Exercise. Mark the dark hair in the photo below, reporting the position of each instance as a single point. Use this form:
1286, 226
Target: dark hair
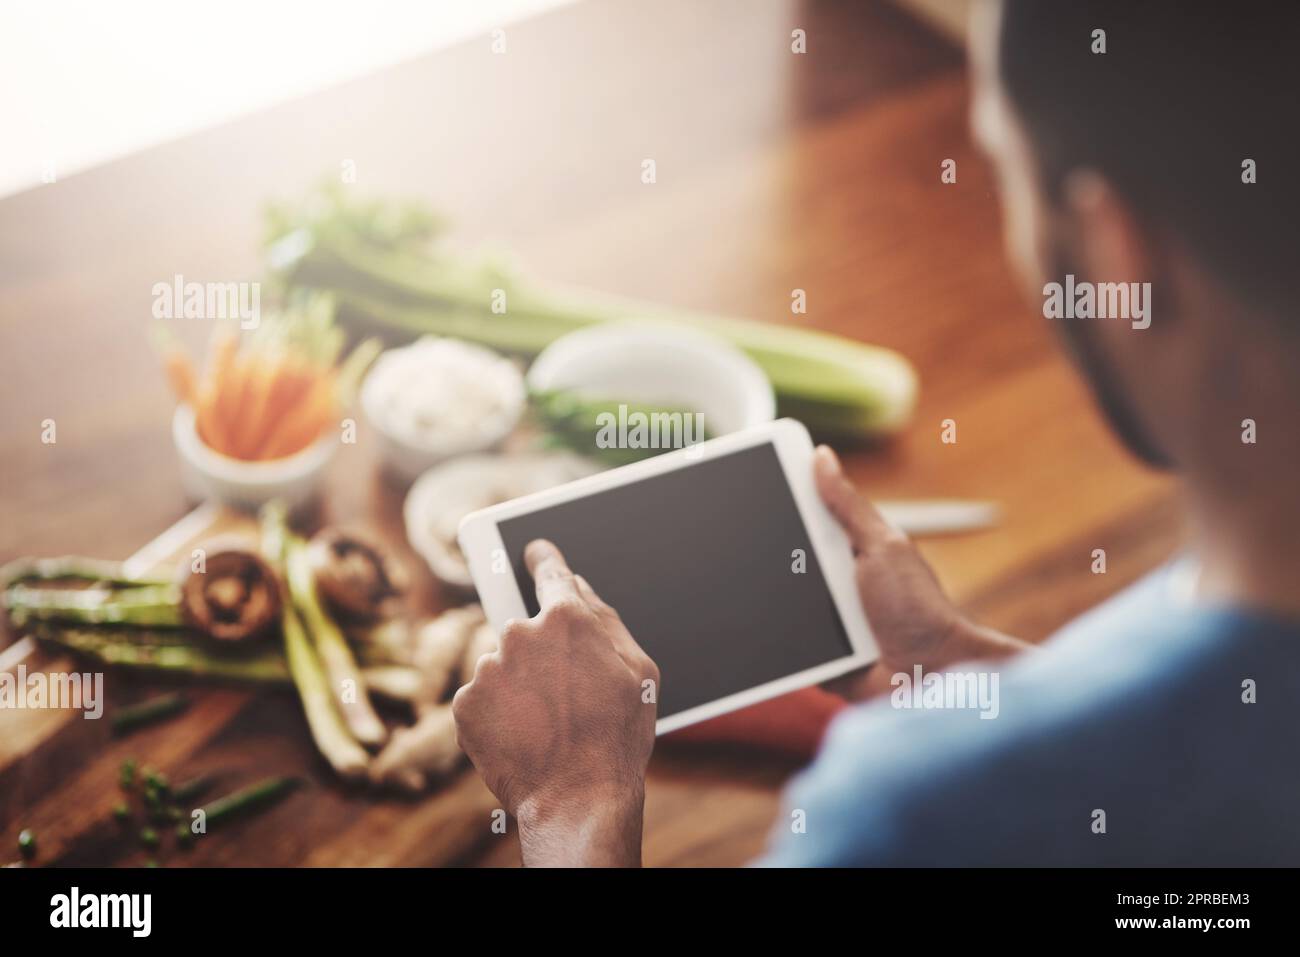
1184, 93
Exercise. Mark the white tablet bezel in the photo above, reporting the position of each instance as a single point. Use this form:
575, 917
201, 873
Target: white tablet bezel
480, 541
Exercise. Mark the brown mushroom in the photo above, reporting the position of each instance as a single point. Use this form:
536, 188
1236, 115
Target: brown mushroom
356, 575
235, 598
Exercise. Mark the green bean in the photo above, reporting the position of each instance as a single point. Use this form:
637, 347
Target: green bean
255, 796
188, 790
148, 712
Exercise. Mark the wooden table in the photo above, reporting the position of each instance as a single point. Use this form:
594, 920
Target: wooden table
775, 171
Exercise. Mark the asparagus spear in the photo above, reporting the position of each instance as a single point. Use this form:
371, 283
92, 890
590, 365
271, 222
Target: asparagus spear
235, 599
72, 567
175, 652
155, 606
169, 652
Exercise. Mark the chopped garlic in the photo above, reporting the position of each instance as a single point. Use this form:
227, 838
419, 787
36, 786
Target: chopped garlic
444, 393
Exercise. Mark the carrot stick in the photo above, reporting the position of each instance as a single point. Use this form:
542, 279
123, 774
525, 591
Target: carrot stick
299, 377
283, 385
182, 374
304, 423
257, 383
221, 369
234, 401
221, 355
254, 384
292, 393
208, 421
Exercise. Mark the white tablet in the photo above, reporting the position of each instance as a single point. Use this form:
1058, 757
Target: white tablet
721, 558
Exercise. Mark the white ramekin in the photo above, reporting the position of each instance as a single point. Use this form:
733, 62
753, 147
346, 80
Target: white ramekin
406, 459
211, 476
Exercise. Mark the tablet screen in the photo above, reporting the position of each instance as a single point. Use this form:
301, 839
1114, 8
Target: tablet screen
710, 567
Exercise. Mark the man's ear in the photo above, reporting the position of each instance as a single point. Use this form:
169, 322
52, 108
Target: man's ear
1109, 243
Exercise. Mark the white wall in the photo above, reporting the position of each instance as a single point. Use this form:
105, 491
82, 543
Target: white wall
85, 81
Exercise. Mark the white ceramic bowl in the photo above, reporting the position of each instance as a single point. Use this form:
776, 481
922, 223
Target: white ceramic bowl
446, 493
407, 456
652, 363
212, 476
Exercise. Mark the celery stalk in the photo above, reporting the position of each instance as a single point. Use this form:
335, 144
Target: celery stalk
836, 386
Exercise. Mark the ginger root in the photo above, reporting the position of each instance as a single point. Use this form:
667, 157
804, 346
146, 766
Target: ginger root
416, 756
444, 653
398, 683
440, 646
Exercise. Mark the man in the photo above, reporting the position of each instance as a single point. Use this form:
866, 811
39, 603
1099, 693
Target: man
1160, 728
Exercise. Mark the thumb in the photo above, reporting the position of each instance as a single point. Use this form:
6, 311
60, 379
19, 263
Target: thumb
857, 516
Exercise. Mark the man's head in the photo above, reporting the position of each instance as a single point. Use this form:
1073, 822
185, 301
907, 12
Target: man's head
1121, 132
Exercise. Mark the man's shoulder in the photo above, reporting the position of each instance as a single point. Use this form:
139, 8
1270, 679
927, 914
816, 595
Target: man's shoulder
1141, 724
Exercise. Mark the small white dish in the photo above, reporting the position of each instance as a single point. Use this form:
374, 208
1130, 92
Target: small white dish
398, 413
211, 476
656, 363
446, 493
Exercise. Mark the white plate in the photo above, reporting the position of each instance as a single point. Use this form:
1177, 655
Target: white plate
447, 493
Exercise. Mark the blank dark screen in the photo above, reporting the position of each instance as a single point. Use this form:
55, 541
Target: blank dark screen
700, 562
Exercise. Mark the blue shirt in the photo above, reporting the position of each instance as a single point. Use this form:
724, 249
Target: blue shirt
1138, 710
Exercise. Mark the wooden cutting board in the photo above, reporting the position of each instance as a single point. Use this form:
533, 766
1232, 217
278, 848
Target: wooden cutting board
59, 772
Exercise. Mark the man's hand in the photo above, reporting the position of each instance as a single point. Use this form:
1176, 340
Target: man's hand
560, 721
912, 619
